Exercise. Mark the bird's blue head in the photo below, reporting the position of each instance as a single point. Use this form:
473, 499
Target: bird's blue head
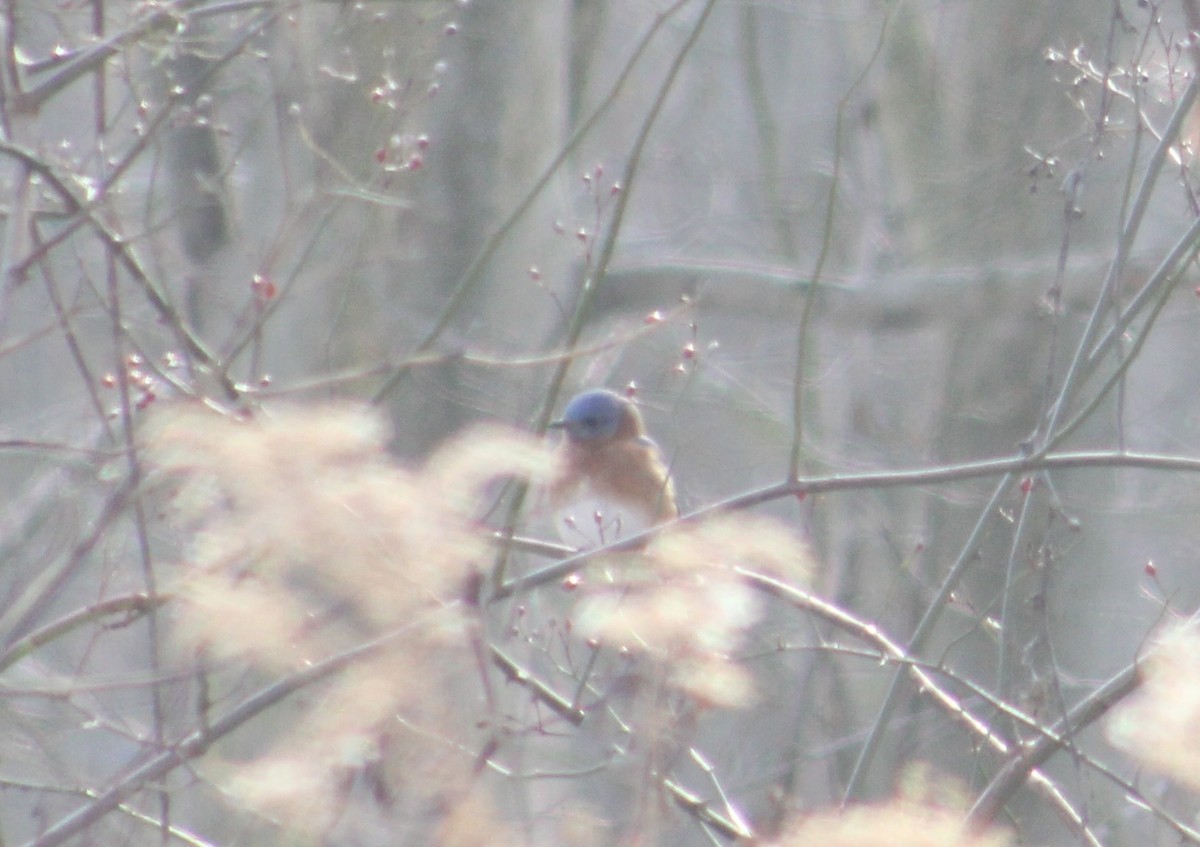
597, 415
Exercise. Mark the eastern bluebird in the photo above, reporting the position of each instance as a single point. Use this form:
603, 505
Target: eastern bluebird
613, 482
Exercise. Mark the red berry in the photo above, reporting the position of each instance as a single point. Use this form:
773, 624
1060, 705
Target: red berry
264, 289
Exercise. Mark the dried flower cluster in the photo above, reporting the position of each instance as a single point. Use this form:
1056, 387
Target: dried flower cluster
687, 607
304, 539
1160, 724
901, 823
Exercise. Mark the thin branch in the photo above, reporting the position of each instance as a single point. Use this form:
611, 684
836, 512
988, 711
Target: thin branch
197, 743
129, 606
471, 276
930, 688
851, 482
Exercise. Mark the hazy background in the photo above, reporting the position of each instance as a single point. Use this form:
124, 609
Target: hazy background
411, 204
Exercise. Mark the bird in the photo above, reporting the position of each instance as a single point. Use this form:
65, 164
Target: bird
612, 483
